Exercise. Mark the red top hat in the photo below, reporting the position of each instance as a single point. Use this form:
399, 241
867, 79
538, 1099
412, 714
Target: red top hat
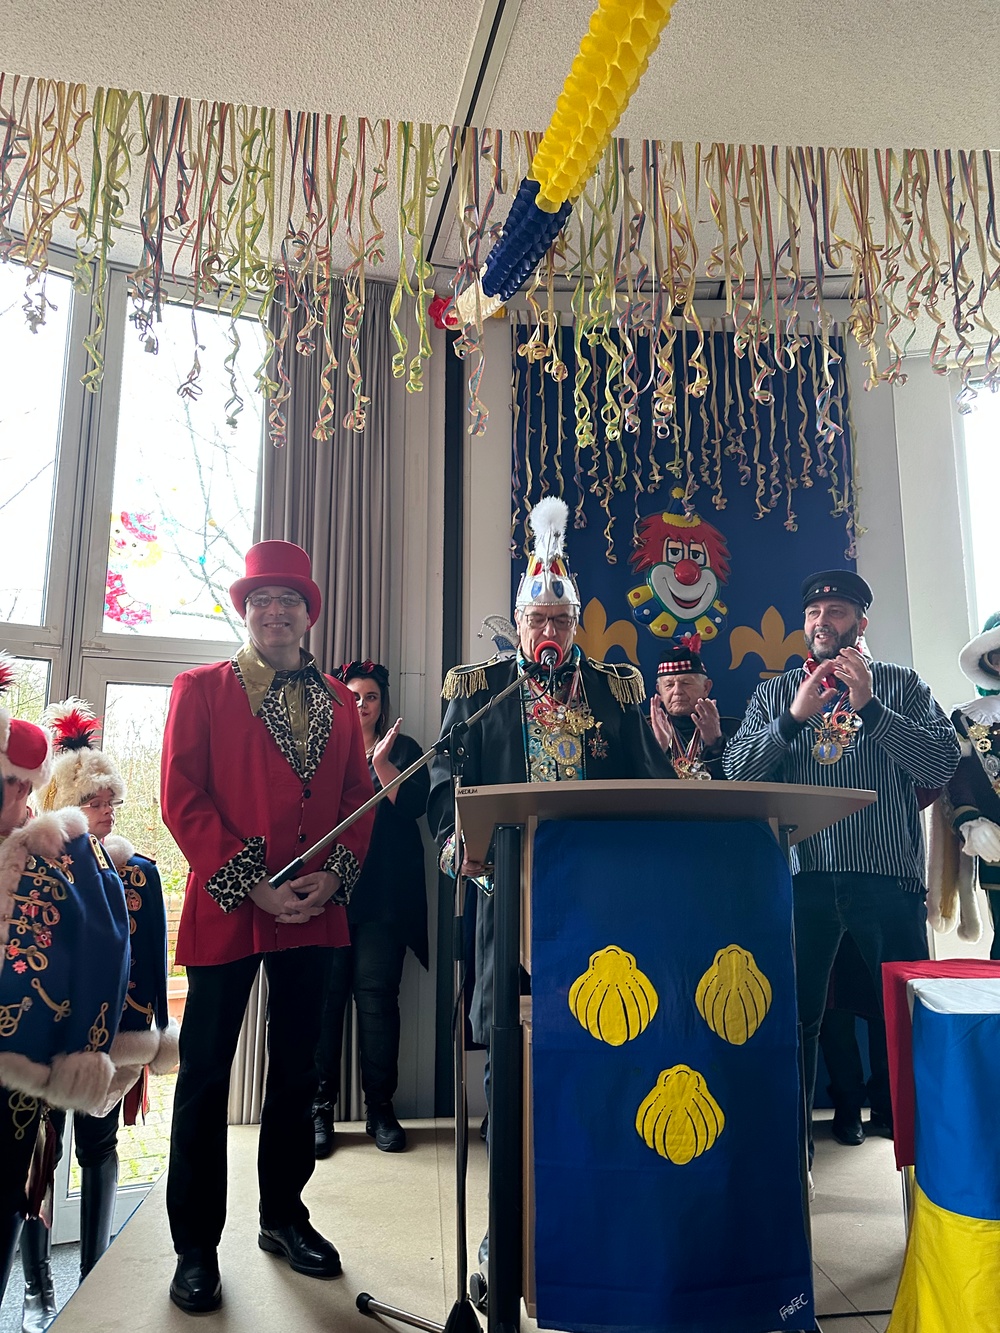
278, 565
25, 750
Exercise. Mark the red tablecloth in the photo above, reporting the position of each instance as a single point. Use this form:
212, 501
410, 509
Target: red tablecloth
899, 1035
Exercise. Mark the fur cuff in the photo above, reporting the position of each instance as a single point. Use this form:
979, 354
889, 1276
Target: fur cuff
137, 1047
126, 1076
80, 1081
168, 1056
119, 849
20, 1074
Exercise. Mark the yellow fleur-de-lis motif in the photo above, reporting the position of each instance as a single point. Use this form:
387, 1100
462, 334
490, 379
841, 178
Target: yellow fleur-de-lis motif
734, 995
679, 1119
595, 636
772, 645
613, 1000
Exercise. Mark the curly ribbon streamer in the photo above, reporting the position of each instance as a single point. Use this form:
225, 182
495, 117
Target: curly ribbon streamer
253, 209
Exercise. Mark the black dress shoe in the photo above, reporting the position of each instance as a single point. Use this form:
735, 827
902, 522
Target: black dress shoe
880, 1125
847, 1128
385, 1129
305, 1249
323, 1131
197, 1287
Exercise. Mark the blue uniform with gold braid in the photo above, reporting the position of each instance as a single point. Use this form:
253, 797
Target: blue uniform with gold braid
146, 1035
63, 975
146, 999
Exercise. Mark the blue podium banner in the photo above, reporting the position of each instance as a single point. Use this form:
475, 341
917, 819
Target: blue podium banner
665, 1081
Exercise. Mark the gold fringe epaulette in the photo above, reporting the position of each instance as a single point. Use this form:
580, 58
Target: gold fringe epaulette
624, 680
462, 682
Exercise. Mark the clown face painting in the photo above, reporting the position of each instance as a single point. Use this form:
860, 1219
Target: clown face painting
685, 561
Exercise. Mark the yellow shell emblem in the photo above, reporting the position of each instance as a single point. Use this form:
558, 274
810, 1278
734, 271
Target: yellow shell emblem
680, 1119
733, 996
613, 1000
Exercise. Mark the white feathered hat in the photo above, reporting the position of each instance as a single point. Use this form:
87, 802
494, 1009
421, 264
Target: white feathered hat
80, 769
547, 580
971, 658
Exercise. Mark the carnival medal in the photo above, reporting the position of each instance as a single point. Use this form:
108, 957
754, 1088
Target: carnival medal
687, 763
835, 733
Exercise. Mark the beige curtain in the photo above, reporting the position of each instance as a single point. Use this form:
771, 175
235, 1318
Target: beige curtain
332, 498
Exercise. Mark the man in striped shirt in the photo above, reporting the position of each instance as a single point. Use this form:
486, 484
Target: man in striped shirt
843, 720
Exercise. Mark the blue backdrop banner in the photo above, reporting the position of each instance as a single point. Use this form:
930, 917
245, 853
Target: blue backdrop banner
705, 523
665, 1080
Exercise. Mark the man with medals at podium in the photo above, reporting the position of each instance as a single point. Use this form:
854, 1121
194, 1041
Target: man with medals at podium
573, 719
685, 721
844, 720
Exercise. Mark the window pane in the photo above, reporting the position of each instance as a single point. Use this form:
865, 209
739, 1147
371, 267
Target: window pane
29, 694
982, 454
185, 482
134, 718
34, 366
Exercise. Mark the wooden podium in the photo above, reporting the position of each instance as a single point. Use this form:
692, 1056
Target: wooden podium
505, 818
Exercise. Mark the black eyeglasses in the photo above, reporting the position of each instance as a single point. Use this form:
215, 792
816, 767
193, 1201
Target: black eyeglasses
262, 600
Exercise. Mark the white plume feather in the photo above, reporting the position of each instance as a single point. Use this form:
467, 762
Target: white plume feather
548, 523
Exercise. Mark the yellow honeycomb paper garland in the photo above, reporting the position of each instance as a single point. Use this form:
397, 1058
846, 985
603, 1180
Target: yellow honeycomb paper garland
612, 58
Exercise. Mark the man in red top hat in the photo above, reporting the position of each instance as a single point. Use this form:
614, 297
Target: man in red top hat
262, 755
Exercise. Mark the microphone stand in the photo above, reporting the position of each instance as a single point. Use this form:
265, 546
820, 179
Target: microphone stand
462, 1317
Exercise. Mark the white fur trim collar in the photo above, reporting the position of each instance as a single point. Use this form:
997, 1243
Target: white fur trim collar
985, 709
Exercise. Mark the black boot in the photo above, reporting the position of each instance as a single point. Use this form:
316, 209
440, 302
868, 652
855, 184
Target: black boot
323, 1130
10, 1229
39, 1294
99, 1187
385, 1129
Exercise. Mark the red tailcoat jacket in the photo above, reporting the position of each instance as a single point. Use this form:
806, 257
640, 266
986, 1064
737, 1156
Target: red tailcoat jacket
224, 781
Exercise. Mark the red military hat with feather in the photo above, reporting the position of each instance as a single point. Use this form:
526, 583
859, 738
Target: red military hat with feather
25, 749
80, 770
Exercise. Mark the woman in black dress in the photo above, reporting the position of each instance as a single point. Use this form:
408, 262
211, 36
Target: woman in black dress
387, 913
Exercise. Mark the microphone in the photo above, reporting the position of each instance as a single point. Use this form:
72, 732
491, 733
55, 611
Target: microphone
548, 654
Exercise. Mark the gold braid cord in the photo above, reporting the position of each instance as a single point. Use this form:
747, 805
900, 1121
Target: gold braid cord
462, 682
250, 207
624, 681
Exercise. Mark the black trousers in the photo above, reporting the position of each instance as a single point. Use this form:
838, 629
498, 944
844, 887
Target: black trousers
838, 1039
993, 898
216, 1002
888, 924
95, 1139
370, 970
20, 1121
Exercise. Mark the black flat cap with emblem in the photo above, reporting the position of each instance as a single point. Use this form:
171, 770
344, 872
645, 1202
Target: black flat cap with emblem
842, 583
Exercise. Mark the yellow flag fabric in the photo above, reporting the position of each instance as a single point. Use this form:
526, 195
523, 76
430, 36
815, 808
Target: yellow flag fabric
952, 1264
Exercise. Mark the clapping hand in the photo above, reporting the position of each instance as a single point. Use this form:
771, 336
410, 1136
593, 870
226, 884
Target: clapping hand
705, 715
852, 668
384, 747
811, 698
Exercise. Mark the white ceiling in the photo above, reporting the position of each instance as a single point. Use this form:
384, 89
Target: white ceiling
906, 73
862, 73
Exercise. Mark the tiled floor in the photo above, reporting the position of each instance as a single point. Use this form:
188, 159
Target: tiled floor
393, 1219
